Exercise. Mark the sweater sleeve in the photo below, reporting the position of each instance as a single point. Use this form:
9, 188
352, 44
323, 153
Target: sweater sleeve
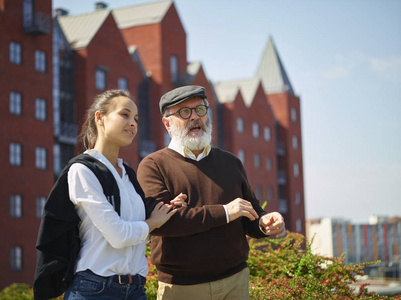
252, 228
187, 220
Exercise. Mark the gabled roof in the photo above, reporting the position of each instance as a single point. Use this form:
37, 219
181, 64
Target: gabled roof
192, 70
80, 29
227, 91
272, 73
144, 14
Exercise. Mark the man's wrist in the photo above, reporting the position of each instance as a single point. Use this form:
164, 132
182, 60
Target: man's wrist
227, 216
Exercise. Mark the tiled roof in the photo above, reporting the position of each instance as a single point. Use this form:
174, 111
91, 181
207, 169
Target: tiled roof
144, 14
272, 73
80, 29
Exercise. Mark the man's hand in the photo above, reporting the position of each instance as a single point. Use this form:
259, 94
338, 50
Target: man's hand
179, 201
273, 223
241, 208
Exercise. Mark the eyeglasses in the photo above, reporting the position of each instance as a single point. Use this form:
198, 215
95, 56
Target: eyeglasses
186, 112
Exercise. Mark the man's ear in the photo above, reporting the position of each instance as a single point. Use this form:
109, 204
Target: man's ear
166, 123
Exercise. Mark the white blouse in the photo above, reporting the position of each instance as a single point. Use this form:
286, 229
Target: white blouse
110, 244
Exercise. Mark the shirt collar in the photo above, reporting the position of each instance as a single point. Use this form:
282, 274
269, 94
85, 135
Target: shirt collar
184, 151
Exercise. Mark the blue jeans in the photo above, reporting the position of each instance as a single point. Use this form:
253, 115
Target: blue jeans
87, 285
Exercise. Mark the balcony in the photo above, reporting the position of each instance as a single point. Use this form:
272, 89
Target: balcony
66, 133
280, 149
281, 177
282, 206
37, 23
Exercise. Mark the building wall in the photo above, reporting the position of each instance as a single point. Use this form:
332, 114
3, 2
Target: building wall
107, 50
283, 104
26, 130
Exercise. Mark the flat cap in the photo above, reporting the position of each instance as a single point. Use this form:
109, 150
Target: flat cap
179, 95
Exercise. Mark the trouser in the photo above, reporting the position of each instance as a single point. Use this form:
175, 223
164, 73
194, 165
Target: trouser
235, 287
87, 286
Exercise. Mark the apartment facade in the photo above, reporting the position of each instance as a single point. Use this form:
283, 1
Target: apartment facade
52, 67
378, 240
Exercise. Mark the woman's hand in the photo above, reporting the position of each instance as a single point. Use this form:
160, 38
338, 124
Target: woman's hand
160, 215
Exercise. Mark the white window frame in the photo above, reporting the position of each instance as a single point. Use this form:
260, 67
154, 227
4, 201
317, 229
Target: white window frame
41, 158
270, 194
15, 154
123, 83
15, 53
256, 160
240, 125
294, 142
296, 169
40, 61
16, 206
297, 198
40, 109
40, 205
298, 225
255, 130
174, 68
294, 115
15, 103
16, 258
267, 133
101, 78
241, 156
269, 164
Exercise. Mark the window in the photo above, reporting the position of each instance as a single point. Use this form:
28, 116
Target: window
167, 139
256, 160
28, 12
240, 125
294, 142
267, 133
270, 194
174, 68
40, 61
293, 115
15, 103
268, 164
15, 53
255, 130
40, 205
40, 109
15, 154
297, 198
298, 225
16, 258
123, 84
241, 156
16, 206
258, 192
40, 158
100, 78
296, 170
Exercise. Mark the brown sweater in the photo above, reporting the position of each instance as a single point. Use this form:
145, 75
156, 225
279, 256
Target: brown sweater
197, 245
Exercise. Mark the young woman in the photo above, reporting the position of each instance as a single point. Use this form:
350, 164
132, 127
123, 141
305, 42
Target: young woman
111, 262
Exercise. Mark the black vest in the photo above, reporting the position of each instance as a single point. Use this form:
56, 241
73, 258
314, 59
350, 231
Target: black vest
58, 241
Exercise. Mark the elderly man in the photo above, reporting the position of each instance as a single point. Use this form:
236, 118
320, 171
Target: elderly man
201, 252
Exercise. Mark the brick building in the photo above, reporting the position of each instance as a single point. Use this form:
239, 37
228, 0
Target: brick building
50, 70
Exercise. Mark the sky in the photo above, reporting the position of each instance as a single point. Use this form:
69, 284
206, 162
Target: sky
343, 59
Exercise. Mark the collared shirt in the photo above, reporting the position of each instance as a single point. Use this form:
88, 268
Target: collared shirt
184, 151
110, 244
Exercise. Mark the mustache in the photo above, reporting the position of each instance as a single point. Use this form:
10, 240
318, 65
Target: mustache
195, 123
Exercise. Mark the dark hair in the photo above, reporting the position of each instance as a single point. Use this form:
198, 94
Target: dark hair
101, 103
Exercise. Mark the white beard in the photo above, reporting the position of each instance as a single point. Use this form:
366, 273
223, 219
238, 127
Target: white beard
191, 141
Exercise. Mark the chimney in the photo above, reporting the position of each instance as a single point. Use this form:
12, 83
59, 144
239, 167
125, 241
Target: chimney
61, 12
100, 5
